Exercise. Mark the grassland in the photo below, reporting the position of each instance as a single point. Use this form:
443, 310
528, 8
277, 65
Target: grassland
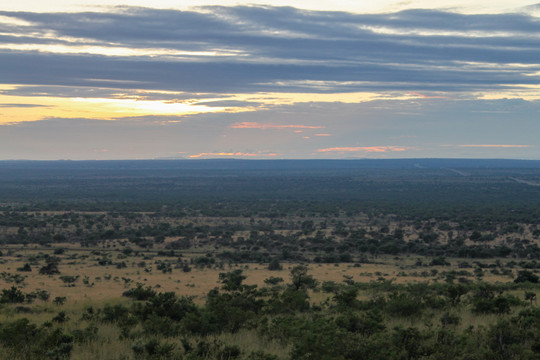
181, 261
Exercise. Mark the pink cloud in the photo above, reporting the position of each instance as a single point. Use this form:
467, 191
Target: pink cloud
368, 149
425, 96
256, 125
323, 134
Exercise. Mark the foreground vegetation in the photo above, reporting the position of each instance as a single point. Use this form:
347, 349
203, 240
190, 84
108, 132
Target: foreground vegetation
297, 318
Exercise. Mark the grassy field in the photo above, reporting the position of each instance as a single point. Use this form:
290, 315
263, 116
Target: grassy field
100, 282
97, 286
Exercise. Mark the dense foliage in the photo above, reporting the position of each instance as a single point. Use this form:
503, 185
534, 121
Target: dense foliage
389, 321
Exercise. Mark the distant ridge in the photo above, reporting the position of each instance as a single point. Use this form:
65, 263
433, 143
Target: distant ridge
248, 164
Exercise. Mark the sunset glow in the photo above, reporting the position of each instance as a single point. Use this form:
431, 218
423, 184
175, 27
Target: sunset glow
300, 79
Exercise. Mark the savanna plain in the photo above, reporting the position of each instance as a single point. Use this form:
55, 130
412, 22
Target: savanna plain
267, 260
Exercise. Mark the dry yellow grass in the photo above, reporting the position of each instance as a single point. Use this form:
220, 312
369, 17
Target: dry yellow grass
109, 282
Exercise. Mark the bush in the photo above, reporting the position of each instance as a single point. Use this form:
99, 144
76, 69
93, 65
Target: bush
69, 279
31, 342
260, 355
25, 268
402, 304
140, 293
43, 295
12, 296
439, 261
61, 317
85, 335
273, 280
153, 349
367, 323
59, 300
168, 305
51, 266
526, 276
155, 325
274, 265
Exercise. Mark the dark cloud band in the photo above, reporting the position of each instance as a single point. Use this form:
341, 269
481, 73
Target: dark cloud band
278, 49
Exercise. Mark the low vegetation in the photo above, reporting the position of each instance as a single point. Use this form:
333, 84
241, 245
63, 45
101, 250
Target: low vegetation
165, 262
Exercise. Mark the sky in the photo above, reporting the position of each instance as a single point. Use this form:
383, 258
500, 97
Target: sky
274, 79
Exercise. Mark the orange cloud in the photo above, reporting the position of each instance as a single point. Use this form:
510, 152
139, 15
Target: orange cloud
256, 125
364, 149
496, 146
425, 96
239, 154
323, 134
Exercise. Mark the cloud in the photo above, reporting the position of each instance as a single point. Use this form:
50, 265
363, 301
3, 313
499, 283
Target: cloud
357, 129
367, 149
103, 92
21, 105
494, 146
230, 103
423, 96
322, 134
254, 49
256, 125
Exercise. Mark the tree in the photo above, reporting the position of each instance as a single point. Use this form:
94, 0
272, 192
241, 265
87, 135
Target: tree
345, 297
232, 281
275, 265
51, 266
300, 278
26, 267
526, 275
529, 295
454, 293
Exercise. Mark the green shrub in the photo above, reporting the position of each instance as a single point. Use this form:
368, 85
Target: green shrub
12, 295
526, 276
31, 342
140, 292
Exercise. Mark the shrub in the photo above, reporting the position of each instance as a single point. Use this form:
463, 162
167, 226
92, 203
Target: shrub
69, 279
140, 293
168, 305
274, 265
26, 268
43, 295
402, 304
61, 317
59, 300
31, 342
526, 275
153, 349
367, 323
115, 313
260, 355
439, 261
155, 325
51, 266
85, 335
273, 280
12, 296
